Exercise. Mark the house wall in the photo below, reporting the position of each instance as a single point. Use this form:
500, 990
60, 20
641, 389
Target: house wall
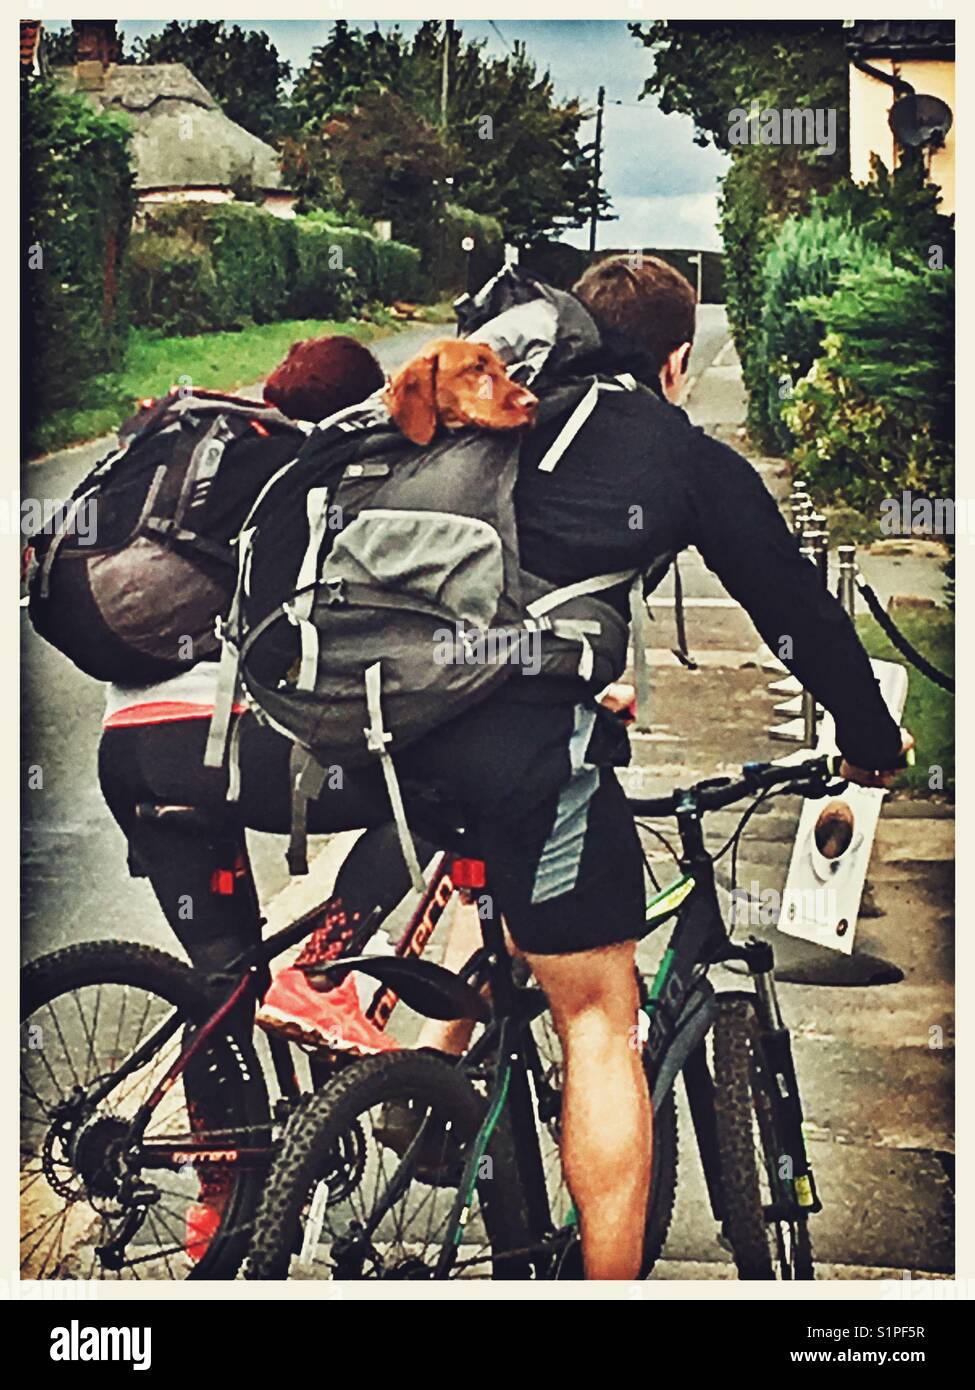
185, 195
280, 204
870, 103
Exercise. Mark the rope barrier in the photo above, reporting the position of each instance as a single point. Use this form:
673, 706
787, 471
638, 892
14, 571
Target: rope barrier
887, 625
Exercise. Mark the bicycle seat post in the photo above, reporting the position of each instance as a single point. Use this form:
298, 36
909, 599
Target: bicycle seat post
470, 877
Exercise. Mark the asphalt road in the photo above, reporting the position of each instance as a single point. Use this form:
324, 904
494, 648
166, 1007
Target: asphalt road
710, 337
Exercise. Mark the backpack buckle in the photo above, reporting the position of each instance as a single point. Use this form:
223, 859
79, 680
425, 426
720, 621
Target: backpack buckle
334, 591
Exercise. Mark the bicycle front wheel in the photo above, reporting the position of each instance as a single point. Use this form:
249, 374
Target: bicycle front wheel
365, 1184
172, 1201
765, 1243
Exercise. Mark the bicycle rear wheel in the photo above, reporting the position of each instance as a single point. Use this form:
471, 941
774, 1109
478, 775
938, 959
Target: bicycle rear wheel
765, 1244
365, 1182
94, 1205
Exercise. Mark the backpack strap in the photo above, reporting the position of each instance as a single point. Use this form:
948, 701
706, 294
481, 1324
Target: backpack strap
575, 629
204, 463
178, 535
578, 417
307, 778
228, 675
228, 691
378, 740
681, 651
306, 586
228, 671
595, 585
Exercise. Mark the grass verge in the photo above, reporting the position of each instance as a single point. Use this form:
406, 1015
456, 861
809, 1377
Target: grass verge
154, 363
930, 711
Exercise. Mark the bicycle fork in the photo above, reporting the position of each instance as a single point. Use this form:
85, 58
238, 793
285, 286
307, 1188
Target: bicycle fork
795, 1174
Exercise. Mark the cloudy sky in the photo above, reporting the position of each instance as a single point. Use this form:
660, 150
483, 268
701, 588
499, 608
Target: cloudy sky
663, 186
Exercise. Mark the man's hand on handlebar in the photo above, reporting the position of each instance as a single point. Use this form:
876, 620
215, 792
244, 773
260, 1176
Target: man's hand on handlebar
864, 777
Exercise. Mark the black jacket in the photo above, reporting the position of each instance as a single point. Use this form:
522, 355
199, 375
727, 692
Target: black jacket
639, 484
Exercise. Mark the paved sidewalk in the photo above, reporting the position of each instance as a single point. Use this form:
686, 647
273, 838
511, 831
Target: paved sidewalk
878, 1093
876, 1064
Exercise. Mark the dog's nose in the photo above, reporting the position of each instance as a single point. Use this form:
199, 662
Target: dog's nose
524, 400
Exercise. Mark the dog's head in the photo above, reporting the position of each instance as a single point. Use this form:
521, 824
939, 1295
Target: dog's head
454, 383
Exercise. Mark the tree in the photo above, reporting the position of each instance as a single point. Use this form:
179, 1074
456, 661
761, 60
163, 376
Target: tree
379, 159
60, 47
710, 71
514, 149
240, 68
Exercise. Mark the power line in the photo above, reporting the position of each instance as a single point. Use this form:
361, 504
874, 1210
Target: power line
500, 35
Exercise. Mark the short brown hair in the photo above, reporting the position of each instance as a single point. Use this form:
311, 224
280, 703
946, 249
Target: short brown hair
322, 375
641, 302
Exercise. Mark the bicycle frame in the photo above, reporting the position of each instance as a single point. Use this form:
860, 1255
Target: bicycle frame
680, 1008
160, 1153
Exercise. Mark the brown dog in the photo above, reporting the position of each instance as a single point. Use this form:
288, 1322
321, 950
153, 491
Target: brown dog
454, 383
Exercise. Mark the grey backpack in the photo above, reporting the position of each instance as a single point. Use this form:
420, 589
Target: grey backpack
380, 594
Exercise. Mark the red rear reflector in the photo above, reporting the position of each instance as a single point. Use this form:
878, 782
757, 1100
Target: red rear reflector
261, 429
468, 873
222, 883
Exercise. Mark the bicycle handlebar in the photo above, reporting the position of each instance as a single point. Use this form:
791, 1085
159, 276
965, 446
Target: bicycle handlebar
809, 778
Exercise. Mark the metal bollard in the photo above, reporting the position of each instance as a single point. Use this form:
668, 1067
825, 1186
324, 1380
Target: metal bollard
846, 590
802, 515
819, 543
799, 502
814, 548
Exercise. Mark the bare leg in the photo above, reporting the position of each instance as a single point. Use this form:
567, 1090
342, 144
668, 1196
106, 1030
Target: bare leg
453, 1035
606, 1117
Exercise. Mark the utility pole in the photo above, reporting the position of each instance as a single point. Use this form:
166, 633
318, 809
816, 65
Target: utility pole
597, 167
698, 260
448, 31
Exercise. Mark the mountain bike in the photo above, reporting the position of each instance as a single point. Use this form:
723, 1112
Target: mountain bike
118, 1042
449, 1176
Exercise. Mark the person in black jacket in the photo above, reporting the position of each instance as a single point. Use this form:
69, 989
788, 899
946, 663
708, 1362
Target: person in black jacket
529, 771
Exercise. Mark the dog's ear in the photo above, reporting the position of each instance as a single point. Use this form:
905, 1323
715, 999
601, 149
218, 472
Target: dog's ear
411, 397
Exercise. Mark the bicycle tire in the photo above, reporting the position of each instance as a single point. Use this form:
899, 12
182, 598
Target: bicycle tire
741, 1106
663, 1183
313, 1133
154, 972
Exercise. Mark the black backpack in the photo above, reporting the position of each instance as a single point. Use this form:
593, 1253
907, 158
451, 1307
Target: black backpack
131, 580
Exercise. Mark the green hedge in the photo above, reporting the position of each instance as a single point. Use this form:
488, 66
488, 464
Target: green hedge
806, 259
874, 416
77, 211
171, 284
445, 263
856, 228
253, 267
853, 228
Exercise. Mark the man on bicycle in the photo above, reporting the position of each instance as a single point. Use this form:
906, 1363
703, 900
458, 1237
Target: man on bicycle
529, 771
